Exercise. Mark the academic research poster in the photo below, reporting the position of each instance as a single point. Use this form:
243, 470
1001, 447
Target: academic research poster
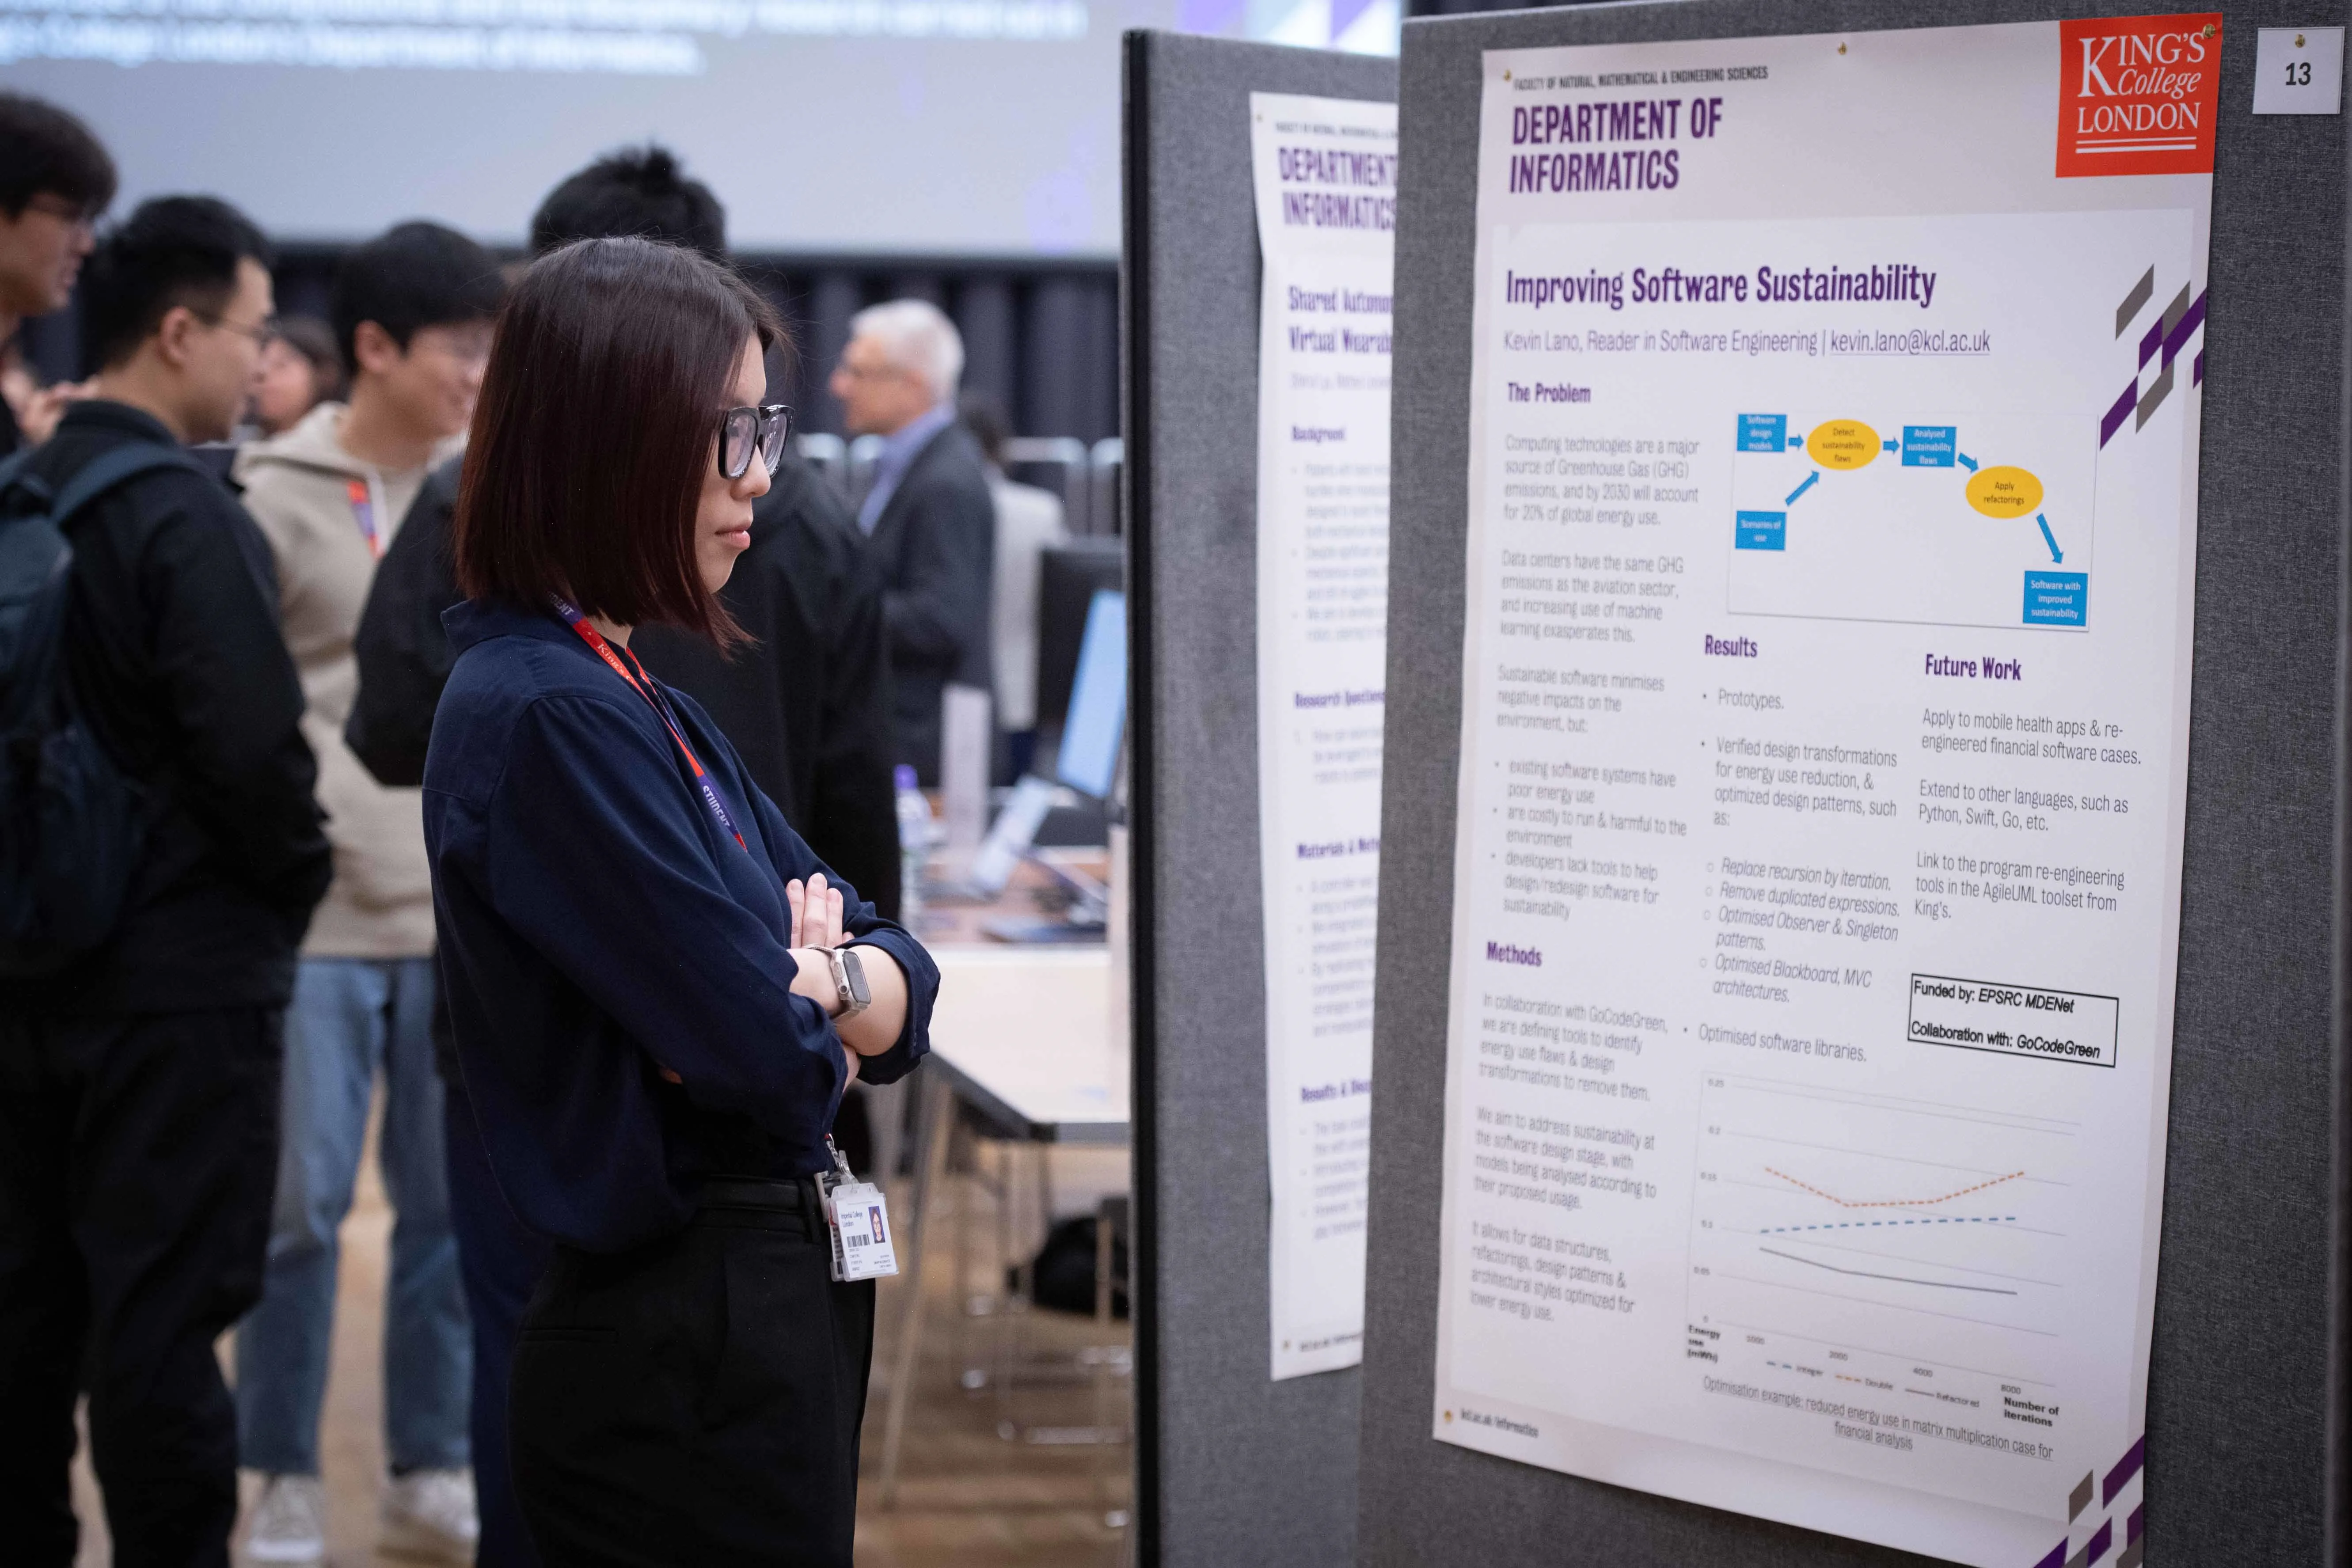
1831, 533
1325, 189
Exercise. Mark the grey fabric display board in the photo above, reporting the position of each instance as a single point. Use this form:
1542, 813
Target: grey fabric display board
1231, 1467
2238, 1452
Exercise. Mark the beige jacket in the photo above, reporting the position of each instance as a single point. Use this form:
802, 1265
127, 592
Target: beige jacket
297, 486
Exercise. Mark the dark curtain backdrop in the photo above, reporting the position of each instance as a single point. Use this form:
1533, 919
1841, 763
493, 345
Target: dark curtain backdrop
1040, 335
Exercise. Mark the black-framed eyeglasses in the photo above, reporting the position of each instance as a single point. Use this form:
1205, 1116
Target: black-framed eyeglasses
261, 333
743, 431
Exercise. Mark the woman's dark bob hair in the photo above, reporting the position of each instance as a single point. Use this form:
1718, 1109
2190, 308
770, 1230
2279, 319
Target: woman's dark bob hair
611, 365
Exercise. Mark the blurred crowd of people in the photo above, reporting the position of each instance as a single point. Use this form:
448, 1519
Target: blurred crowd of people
184, 1094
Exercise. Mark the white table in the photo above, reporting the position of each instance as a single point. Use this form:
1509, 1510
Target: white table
1027, 1039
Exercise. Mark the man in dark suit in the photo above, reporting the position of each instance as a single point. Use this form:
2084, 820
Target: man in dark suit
930, 521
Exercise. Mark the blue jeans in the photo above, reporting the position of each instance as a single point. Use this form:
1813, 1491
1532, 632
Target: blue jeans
351, 1018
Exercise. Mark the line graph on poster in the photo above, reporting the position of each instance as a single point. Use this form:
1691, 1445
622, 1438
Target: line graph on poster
1887, 1242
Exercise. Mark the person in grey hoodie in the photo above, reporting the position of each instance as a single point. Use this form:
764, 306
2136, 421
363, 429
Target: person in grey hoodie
413, 309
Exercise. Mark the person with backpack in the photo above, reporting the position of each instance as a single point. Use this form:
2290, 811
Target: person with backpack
139, 1045
411, 308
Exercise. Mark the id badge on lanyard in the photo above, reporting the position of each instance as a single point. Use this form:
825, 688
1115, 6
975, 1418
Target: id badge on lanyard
858, 1218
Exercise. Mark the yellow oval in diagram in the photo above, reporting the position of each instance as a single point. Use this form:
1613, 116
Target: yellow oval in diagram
1842, 444
2004, 492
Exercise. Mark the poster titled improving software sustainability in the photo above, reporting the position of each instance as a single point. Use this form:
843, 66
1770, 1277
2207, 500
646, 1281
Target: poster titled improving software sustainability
1831, 531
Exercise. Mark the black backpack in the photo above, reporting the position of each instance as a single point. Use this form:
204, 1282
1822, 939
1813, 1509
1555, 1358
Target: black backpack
72, 824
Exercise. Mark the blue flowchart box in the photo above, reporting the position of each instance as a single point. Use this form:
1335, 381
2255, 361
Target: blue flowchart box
1763, 432
1929, 446
1761, 531
2057, 598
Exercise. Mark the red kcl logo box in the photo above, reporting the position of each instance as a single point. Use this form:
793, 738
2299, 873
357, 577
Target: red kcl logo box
2138, 95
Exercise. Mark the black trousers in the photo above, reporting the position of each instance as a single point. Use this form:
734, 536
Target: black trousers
697, 1401
138, 1157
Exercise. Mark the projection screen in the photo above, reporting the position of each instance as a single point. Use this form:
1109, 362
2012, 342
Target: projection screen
840, 126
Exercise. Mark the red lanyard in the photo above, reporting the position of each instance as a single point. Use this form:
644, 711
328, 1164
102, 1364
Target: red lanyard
644, 686
363, 513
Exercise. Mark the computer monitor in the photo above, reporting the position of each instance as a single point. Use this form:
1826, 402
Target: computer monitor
1091, 730
1087, 762
1069, 578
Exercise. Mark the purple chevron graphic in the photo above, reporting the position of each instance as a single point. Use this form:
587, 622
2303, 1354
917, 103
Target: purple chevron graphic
2119, 413
2167, 336
2102, 1540
2125, 1468
2189, 321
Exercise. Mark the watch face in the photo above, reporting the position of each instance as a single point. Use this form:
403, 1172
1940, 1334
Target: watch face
856, 970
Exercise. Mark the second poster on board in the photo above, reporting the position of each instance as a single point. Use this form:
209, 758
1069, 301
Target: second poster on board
1325, 187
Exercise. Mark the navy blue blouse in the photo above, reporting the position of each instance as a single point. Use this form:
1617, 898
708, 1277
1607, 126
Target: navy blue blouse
599, 933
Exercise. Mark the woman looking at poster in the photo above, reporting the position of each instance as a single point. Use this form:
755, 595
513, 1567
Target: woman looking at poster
658, 993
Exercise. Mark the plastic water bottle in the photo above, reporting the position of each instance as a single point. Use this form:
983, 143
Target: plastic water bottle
915, 831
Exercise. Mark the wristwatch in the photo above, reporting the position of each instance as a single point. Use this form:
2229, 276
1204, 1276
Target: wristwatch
849, 979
